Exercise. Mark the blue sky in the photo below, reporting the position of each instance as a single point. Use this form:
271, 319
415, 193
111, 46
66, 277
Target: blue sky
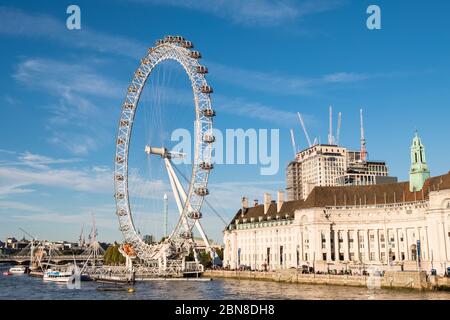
61, 92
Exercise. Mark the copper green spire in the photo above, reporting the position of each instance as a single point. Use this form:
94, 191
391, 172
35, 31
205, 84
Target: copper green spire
419, 172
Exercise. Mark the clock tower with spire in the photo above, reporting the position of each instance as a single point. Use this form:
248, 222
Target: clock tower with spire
419, 171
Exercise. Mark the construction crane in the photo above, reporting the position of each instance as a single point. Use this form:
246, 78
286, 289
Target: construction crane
294, 146
32, 237
32, 247
302, 123
80, 239
94, 232
330, 130
363, 139
338, 130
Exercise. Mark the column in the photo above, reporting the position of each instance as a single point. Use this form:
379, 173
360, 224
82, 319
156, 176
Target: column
336, 245
346, 247
443, 241
313, 244
301, 244
436, 233
318, 247
366, 245
426, 243
377, 245
356, 244
407, 251
447, 239
235, 250
397, 245
255, 252
328, 243
387, 249
423, 244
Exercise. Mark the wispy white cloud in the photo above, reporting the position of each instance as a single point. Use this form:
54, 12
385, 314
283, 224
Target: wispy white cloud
344, 77
21, 206
75, 83
12, 101
100, 169
10, 189
9, 152
253, 12
78, 143
238, 106
16, 22
35, 161
281, 84
76, 123
105, 219
27, 172
140, 187
254, 110
82, 180
66, 77
57, 219
54, 218
22, 175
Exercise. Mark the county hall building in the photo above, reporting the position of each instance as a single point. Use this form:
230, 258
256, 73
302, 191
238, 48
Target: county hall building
404, 226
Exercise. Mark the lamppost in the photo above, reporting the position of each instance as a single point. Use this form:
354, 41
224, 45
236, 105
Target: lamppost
432, 267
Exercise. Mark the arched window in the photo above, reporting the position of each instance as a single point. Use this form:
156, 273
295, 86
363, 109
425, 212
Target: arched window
391, 255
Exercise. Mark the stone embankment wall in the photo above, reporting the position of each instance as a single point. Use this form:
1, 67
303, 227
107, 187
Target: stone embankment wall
393, 279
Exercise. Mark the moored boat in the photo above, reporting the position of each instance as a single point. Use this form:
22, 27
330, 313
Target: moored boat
7, 273
17, 270
36, 273
57, 276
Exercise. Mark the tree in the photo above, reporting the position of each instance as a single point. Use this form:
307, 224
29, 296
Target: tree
113, 256
190, 257
205, 259
108, 255
219, 252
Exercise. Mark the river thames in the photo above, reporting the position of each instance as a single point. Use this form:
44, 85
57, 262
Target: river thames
20, 287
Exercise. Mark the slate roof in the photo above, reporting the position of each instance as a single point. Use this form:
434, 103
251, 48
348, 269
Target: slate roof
349, 196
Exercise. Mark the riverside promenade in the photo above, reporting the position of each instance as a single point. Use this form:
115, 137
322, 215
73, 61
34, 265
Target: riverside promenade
391, 279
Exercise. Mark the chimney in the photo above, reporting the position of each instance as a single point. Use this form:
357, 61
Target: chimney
255, 203
244, 205
267, 201
280, 200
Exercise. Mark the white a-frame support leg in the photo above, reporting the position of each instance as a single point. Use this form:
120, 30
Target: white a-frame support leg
178, 191
175, 190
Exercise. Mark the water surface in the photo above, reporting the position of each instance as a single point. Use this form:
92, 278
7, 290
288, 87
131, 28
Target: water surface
25, 287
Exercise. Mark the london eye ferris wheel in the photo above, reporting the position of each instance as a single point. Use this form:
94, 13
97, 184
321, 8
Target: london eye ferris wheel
186, 183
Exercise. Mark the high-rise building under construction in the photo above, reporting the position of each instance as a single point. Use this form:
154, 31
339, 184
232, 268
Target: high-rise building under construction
330, 164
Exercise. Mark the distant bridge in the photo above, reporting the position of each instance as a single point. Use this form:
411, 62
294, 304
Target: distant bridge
20, 259
93, 252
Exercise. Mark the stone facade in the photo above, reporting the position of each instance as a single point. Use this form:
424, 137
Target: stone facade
386, 227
